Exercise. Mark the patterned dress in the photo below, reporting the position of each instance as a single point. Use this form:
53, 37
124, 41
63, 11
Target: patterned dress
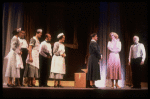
114, 65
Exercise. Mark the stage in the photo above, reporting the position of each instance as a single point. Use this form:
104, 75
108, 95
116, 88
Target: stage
72, 92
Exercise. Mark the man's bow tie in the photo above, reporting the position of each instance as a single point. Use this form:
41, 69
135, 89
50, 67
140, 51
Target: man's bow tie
135, 43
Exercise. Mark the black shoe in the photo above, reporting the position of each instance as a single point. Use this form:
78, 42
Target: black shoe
41, 85
14, 86
35, 86
46, 86
55, 86
90, 86
10, 85
30, 86
22, 85
93, 86
59, 86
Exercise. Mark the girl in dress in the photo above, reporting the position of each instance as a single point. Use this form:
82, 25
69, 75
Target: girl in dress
114, 66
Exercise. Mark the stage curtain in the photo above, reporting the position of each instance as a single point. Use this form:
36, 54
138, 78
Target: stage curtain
134, 22
12, 17
109, 21
78, 21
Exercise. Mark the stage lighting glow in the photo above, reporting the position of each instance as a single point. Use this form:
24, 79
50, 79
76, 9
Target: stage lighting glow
102, 82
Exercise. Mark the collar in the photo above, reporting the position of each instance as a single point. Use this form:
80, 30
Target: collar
136, 43
93, 40
35, 38
20, 38
47, 41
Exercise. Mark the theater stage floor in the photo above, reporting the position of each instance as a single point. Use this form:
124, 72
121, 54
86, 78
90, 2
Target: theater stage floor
71, 92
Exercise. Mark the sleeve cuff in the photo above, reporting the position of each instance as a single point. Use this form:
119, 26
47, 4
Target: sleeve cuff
143, 60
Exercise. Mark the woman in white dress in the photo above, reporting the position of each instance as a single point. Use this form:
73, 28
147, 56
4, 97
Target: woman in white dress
14, 60
58, 68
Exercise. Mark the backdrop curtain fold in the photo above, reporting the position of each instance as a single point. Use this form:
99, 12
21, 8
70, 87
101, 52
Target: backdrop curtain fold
109, 21
12, 18
78, 20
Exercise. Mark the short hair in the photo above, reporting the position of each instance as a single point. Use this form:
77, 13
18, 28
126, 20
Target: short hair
36, 33
136, 37
46, 35
15, 32
93, 34
23, 31
115, 35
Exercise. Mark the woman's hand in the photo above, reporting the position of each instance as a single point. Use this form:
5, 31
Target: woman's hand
63, 55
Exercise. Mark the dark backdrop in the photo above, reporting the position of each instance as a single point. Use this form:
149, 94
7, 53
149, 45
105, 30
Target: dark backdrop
125, 18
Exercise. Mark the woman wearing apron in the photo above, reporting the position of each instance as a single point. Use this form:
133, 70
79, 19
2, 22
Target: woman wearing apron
14, 59
58, 68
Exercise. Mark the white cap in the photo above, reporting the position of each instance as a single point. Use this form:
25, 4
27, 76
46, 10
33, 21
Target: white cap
19, 29
39, 30
59, 35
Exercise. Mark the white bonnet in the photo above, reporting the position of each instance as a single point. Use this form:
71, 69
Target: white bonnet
39, 30
19, 29
60, 34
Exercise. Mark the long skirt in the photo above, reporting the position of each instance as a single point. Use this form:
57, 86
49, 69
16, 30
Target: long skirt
93, 68
114, 67
12, 70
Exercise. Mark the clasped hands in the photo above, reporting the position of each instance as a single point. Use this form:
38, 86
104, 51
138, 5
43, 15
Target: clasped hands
63, 55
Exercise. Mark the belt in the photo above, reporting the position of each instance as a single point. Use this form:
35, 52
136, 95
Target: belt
136, 58
57, 55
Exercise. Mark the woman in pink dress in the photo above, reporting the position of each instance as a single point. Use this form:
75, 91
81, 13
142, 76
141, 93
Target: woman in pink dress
114, 65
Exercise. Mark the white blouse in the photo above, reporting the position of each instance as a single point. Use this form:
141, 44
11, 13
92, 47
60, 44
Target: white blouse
136, 51
114, 46
45, 47
23, 43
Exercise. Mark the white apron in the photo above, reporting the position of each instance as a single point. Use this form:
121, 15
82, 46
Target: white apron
35, 54
58, 62
18, 57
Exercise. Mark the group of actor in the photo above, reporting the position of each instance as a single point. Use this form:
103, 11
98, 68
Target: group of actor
137, 57
26, 63
36, 60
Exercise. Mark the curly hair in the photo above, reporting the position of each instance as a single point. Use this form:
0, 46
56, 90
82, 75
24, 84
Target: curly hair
115, 35
15, 32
